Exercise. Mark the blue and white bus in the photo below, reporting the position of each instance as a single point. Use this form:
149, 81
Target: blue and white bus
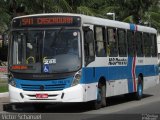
77, 58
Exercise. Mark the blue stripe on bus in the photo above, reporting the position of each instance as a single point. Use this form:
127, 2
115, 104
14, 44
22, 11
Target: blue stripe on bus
129, 75
132, 27
91, 74
115, 73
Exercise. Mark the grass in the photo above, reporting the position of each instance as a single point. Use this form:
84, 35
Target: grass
3, 81
3, 85
3, 88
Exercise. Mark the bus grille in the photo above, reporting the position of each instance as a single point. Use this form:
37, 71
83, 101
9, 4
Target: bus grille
56, 87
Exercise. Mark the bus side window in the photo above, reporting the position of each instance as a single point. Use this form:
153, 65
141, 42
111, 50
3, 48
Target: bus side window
122, 43
88, 45
131, 44
147, 44
139, 44
154, 45
112, 48
100, 42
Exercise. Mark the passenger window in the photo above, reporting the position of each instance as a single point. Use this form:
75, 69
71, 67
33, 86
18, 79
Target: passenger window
100, 42
112, 47
154, 45
131, 44
139, 44
147, 44
122, 43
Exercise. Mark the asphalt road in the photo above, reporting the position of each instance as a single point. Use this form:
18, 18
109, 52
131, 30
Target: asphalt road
118, 108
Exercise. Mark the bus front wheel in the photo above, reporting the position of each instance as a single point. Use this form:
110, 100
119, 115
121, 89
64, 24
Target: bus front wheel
101, 96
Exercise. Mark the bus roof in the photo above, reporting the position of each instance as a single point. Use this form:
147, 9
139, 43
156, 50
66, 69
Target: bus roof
100, 22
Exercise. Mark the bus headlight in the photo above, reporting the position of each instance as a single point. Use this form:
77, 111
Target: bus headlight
76, 78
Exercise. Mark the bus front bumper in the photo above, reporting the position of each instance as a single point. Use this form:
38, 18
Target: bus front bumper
72, 94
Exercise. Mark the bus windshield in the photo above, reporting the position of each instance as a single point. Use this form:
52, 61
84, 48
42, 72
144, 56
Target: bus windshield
48, 51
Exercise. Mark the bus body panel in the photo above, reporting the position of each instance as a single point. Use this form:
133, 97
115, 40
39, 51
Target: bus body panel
72, 94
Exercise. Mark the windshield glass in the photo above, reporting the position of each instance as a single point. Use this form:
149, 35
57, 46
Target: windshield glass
48, 51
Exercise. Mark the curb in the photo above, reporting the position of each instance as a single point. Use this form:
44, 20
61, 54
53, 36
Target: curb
5, 94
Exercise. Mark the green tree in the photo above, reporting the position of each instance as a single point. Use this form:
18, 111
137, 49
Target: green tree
134, 11
5, 16
131, 11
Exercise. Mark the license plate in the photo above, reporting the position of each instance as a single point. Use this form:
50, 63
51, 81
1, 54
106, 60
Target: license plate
41, 95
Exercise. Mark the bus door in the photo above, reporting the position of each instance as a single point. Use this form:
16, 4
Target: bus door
89, 57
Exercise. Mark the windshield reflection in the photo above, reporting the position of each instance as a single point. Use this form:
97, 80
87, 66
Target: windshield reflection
48, 51
60, 50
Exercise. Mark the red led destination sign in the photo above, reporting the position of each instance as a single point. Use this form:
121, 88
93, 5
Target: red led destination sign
47, 21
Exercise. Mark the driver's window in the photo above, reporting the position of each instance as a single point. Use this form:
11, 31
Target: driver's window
89, 45
33, 46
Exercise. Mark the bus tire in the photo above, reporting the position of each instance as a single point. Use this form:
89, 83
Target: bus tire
101, 95
139, 93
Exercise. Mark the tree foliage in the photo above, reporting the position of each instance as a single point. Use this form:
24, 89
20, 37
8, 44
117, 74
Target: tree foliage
131, 11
